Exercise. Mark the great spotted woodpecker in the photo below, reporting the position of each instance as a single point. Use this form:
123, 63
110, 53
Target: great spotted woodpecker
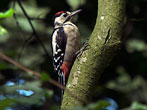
65, 44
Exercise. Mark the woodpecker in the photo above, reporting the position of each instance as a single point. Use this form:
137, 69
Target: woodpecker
65, 44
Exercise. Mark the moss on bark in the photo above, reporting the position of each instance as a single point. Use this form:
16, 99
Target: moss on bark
104, 43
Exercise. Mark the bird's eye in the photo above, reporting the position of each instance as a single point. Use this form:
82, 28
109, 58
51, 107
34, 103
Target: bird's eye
65, 15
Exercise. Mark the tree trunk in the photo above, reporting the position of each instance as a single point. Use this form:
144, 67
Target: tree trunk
104, 43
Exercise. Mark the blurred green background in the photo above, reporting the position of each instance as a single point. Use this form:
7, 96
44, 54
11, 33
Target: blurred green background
124, 80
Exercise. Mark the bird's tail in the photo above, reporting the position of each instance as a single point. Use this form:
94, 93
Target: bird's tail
61, 80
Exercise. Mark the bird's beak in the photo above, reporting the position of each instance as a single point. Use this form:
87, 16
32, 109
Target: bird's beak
75, 12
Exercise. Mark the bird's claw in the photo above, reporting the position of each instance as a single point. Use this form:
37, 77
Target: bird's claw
79, 53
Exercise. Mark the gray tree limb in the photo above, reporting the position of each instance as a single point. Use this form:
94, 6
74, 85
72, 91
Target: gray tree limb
105, 41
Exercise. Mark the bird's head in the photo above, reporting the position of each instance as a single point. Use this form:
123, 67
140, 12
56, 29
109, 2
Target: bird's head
64, 16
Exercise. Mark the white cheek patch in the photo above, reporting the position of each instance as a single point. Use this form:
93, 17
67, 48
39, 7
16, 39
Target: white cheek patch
59, 19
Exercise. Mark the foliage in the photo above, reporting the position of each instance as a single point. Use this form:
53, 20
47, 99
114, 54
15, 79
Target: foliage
100, 105
135, 88
137, 106
133, 45
6, 103
6, 14
75, 4
124, 81
28, 93
2, 31
45, 76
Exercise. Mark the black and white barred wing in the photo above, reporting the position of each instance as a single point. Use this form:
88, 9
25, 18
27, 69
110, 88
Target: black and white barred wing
58, 46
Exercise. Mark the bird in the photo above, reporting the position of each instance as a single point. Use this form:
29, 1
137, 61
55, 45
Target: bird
65, 43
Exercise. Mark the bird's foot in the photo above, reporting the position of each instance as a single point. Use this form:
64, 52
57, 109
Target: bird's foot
85, 47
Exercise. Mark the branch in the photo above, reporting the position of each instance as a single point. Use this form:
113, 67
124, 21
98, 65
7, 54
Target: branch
33, 28
24, 44
34, 73
104, 43
39, 19
137, 20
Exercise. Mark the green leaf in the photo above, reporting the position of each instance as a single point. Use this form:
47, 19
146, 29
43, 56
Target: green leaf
3, 66
136, 45
23, 98
7, 14
75, 3
49, 93
45, 76
3, 31
138, 106
100, 105
55, 107
6, 103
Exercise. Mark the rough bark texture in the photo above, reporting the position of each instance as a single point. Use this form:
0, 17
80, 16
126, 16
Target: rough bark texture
104, 43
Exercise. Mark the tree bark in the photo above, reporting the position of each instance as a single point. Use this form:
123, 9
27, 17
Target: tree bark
104, 43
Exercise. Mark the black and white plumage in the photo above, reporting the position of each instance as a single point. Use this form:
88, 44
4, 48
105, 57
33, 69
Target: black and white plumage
65, 43
58, 46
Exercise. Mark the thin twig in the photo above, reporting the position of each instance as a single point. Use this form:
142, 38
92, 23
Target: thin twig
39, 19
21, 31
37, 74
137, 20
17, 23
16, 20
33, 28
24, 44
8, 59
